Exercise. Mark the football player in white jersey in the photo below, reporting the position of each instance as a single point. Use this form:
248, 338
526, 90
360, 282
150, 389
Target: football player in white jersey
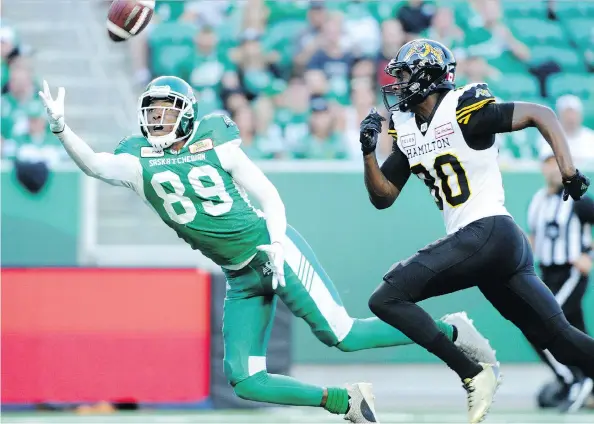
445, 136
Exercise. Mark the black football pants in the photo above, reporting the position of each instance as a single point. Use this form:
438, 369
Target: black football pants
493, 254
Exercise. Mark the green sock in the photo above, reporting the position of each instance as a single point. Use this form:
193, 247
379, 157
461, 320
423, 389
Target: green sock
371, 333
338, 400
279, 389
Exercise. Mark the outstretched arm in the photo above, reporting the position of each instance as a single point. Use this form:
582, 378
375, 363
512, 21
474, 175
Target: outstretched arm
121, 170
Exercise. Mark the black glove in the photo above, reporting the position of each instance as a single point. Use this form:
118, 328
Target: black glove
370, 128
575, 186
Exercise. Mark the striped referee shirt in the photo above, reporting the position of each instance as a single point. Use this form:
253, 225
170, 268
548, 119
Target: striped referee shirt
561, 229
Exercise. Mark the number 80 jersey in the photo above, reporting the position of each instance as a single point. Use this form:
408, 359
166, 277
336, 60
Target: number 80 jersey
195, 196
465, 182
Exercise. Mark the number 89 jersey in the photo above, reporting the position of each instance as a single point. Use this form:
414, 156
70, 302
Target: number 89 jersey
465, 182
195, 196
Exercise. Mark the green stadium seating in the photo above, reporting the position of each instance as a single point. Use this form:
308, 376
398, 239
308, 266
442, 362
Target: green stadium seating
582, 85
574, 8
516, 86
580, 30
567, 57
524, 8
534, 31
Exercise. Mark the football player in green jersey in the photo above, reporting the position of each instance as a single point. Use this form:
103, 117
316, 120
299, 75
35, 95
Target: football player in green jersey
194, 174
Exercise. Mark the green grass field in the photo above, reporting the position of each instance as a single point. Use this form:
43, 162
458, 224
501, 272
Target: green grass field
290, 415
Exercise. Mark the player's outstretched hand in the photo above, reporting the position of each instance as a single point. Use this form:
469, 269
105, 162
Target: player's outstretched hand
575, 186
370, 128
54, 108
276, 254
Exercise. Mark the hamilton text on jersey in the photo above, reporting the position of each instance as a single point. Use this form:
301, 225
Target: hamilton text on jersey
412, 150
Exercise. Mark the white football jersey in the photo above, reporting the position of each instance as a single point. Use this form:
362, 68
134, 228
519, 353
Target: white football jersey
465, 183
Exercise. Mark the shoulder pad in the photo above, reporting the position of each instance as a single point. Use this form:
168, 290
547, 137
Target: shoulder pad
131, 145
472, 93
473, 97
219, 128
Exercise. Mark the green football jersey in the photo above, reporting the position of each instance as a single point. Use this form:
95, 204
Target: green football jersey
196, 197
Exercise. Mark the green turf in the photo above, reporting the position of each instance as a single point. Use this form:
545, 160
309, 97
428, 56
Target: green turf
289, 416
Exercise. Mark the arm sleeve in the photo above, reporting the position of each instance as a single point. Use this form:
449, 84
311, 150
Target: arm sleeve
249, 176
117, 170
396, 167
480, 117
584, 209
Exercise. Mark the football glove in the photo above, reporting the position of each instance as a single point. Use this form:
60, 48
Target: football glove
370, 128
276, 254
575, 186
54, 108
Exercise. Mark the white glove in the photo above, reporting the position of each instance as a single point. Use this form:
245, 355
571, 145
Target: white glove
276, 254
54, 108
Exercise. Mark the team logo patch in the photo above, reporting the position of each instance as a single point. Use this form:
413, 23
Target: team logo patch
444, 130
149, 152
482, 92
267, 269
201, 146
408, 140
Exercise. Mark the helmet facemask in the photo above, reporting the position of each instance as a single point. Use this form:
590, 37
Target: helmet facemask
174, 103
411, 86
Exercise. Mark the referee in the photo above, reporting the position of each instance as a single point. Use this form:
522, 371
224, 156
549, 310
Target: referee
561, 237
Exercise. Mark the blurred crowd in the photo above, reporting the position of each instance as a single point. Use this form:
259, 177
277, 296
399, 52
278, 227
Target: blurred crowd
25, 138
299, 76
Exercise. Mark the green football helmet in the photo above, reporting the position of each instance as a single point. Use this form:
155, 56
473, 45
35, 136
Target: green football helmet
182, 99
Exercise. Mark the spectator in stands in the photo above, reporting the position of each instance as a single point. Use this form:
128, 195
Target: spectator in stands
476, 69
362, 100
205, 70
322, 142
255, 69
202, 13
332, 60
489, 37
580, 138
38, 144
244, 118
444, 29
9, 50
393, 37
268, 136
309, 41
415, 17
21, 95
292, 115
361, 29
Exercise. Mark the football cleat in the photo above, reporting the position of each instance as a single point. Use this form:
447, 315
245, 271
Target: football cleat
579, 392
361, 404
480, 391
469, 340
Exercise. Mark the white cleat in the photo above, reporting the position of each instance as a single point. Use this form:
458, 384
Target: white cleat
361, 404
481, 391
470, 341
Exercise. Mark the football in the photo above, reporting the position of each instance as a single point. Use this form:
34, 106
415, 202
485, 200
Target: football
126, 18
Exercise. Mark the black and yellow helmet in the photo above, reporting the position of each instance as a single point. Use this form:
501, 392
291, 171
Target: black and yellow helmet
420, 68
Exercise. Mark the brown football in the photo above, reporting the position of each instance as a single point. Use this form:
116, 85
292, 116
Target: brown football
126, 18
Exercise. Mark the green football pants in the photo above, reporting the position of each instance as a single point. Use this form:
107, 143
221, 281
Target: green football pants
309, 293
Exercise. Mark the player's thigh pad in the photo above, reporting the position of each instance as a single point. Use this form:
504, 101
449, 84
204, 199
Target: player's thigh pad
310, 294
247, 324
